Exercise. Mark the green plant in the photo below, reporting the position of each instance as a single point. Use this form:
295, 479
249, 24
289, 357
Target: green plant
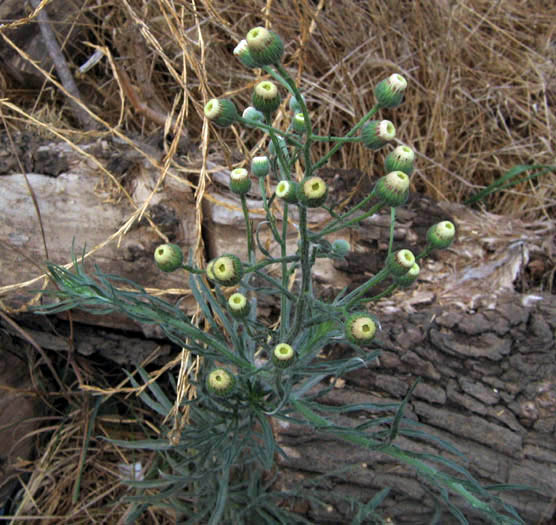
221, 467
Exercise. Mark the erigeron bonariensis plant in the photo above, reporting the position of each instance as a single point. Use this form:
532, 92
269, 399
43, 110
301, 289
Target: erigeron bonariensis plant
217, 469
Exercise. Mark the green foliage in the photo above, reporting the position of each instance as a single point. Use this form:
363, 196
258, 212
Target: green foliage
511, 178
223, 467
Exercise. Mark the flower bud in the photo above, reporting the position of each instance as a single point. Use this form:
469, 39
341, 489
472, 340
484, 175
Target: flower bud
227, 270
341, 247
295, 106
400, 262
220, 382
376, 133
401, 159
260, 166
221, 111
265, 47
360, 328
168, 257
240, 183
287, 191
242, 52
252, 115
312, 192
266, 97
393, 189
238, 305
441, 235
389, 92
283, 355
209, 271
409, 278
298, 123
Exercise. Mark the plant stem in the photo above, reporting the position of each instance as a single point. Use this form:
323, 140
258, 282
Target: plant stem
352, 132
339, 225
250, 248
352, 297
284, 303
300, 312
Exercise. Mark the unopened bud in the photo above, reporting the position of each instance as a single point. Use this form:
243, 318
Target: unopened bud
360, 328
221, 111
227, 270
441, 235
400, 262
393, 189
168, 257
238, 305
265, 47
220, 382
389, 93
240, 183
266, 97
401, 159
376, 133
283, 355
312, 192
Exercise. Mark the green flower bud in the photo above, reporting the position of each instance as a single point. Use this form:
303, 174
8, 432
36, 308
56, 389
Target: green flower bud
341, 247
298, 123
220, 382
312, 192
168, 257
227, 270
238, 305
393, 189
360, 328
441, 235
240, 182
266, 97
400, 262
287, 191
389, 92
295, 106
221, 111
265, 47
376, 133
260, 166
242, 52
409, 278
401, 159
252, 115
283, 355
210, 274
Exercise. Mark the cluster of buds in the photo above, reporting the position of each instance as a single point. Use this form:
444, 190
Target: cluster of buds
262, 48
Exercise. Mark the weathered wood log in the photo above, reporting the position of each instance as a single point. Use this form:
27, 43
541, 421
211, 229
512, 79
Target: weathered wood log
82, 207
488, 387
484, 350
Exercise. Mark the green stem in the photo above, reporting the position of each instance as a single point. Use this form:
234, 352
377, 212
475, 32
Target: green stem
352, 132
329, 138
269, 215
300, 312
248, 226
265, 127
352, 298
384, 293
262, 264
308, 128
392, 223
284, 303
340, 225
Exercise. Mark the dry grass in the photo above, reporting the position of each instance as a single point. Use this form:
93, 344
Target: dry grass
482, 78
